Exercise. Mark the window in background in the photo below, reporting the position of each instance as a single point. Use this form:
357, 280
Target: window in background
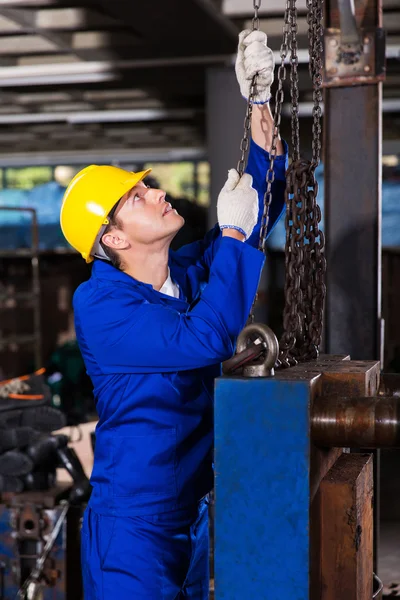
390, 206
64, 173
175, 178
42, 188
203, 178
187, 180
27, 178
31, 187
391, 201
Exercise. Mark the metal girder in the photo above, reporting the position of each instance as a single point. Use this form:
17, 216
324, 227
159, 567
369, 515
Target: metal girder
353, 142
100, 116
26, 18
130, 156
73, 19
235, 8
353, 209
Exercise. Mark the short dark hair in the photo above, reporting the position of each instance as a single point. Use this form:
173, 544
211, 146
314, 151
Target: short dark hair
114, 223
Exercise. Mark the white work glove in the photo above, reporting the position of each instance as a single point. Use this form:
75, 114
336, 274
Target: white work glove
237, 206
253, 57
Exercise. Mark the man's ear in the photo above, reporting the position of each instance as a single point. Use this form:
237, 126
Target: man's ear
115, 240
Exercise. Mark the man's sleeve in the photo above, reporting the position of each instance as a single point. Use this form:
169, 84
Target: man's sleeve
125, 335
202, 251
257, 166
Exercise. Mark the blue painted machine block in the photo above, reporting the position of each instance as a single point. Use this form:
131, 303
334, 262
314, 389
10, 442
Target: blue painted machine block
262, 496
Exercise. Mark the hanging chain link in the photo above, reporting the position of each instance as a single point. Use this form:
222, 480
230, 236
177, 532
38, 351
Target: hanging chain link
294, 80
279, 97
304, 251
305, 262
314, 20
270, 178
245, 142
256, 20
315, 261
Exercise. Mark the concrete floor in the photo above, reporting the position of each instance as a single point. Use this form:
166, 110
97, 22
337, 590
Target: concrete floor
389, 556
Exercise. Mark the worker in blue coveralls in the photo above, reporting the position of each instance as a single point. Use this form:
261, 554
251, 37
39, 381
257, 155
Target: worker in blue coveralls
154, 326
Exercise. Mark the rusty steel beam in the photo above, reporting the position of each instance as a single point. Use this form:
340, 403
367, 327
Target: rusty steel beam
352, 161
353, 207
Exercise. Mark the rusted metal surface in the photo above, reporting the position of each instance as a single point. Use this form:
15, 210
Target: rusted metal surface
353, 123
369, 422
340, 375
27, 522
346, 497
353, 378
369, 69
353, 138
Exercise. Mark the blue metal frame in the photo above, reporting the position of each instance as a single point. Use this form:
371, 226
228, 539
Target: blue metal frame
262, 463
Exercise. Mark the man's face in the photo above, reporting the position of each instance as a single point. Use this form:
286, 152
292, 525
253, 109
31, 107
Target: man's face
146, 217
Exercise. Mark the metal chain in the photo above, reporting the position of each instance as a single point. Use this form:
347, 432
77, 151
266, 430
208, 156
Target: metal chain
315, 261
270, 178
245, 142
304, 249
294, 81
304, 259
279, 97
244, 145
256, 20
293, 316
314, 20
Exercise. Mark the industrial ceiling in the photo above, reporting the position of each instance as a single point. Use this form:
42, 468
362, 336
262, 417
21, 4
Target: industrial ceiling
109, 79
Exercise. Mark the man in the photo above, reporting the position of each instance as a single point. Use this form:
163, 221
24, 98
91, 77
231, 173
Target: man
153, 326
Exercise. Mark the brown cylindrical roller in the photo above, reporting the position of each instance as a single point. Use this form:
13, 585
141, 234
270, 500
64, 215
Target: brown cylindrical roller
371, 422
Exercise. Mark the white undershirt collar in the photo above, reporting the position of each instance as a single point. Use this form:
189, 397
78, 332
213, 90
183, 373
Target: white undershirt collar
169, 287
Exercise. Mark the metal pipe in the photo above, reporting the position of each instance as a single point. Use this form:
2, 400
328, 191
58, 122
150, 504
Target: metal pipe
371, 422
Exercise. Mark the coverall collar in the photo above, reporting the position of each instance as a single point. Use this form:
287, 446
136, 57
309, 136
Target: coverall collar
104, 270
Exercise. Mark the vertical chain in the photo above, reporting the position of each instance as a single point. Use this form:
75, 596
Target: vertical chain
315, 257
245, 142
270, 178
279, 97
294, 80
305, 262
314, 19
304, 251
256, 20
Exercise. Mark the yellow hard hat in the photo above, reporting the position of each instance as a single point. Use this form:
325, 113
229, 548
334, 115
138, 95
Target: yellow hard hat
88, 200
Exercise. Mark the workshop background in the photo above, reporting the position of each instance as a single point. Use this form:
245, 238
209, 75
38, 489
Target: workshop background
139, 84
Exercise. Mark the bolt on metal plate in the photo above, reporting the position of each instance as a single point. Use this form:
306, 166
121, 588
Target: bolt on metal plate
370, 68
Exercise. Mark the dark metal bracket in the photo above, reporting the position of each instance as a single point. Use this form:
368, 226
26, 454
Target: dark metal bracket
345, 67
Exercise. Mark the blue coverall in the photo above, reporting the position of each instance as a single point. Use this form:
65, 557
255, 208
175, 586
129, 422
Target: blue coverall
153, 359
